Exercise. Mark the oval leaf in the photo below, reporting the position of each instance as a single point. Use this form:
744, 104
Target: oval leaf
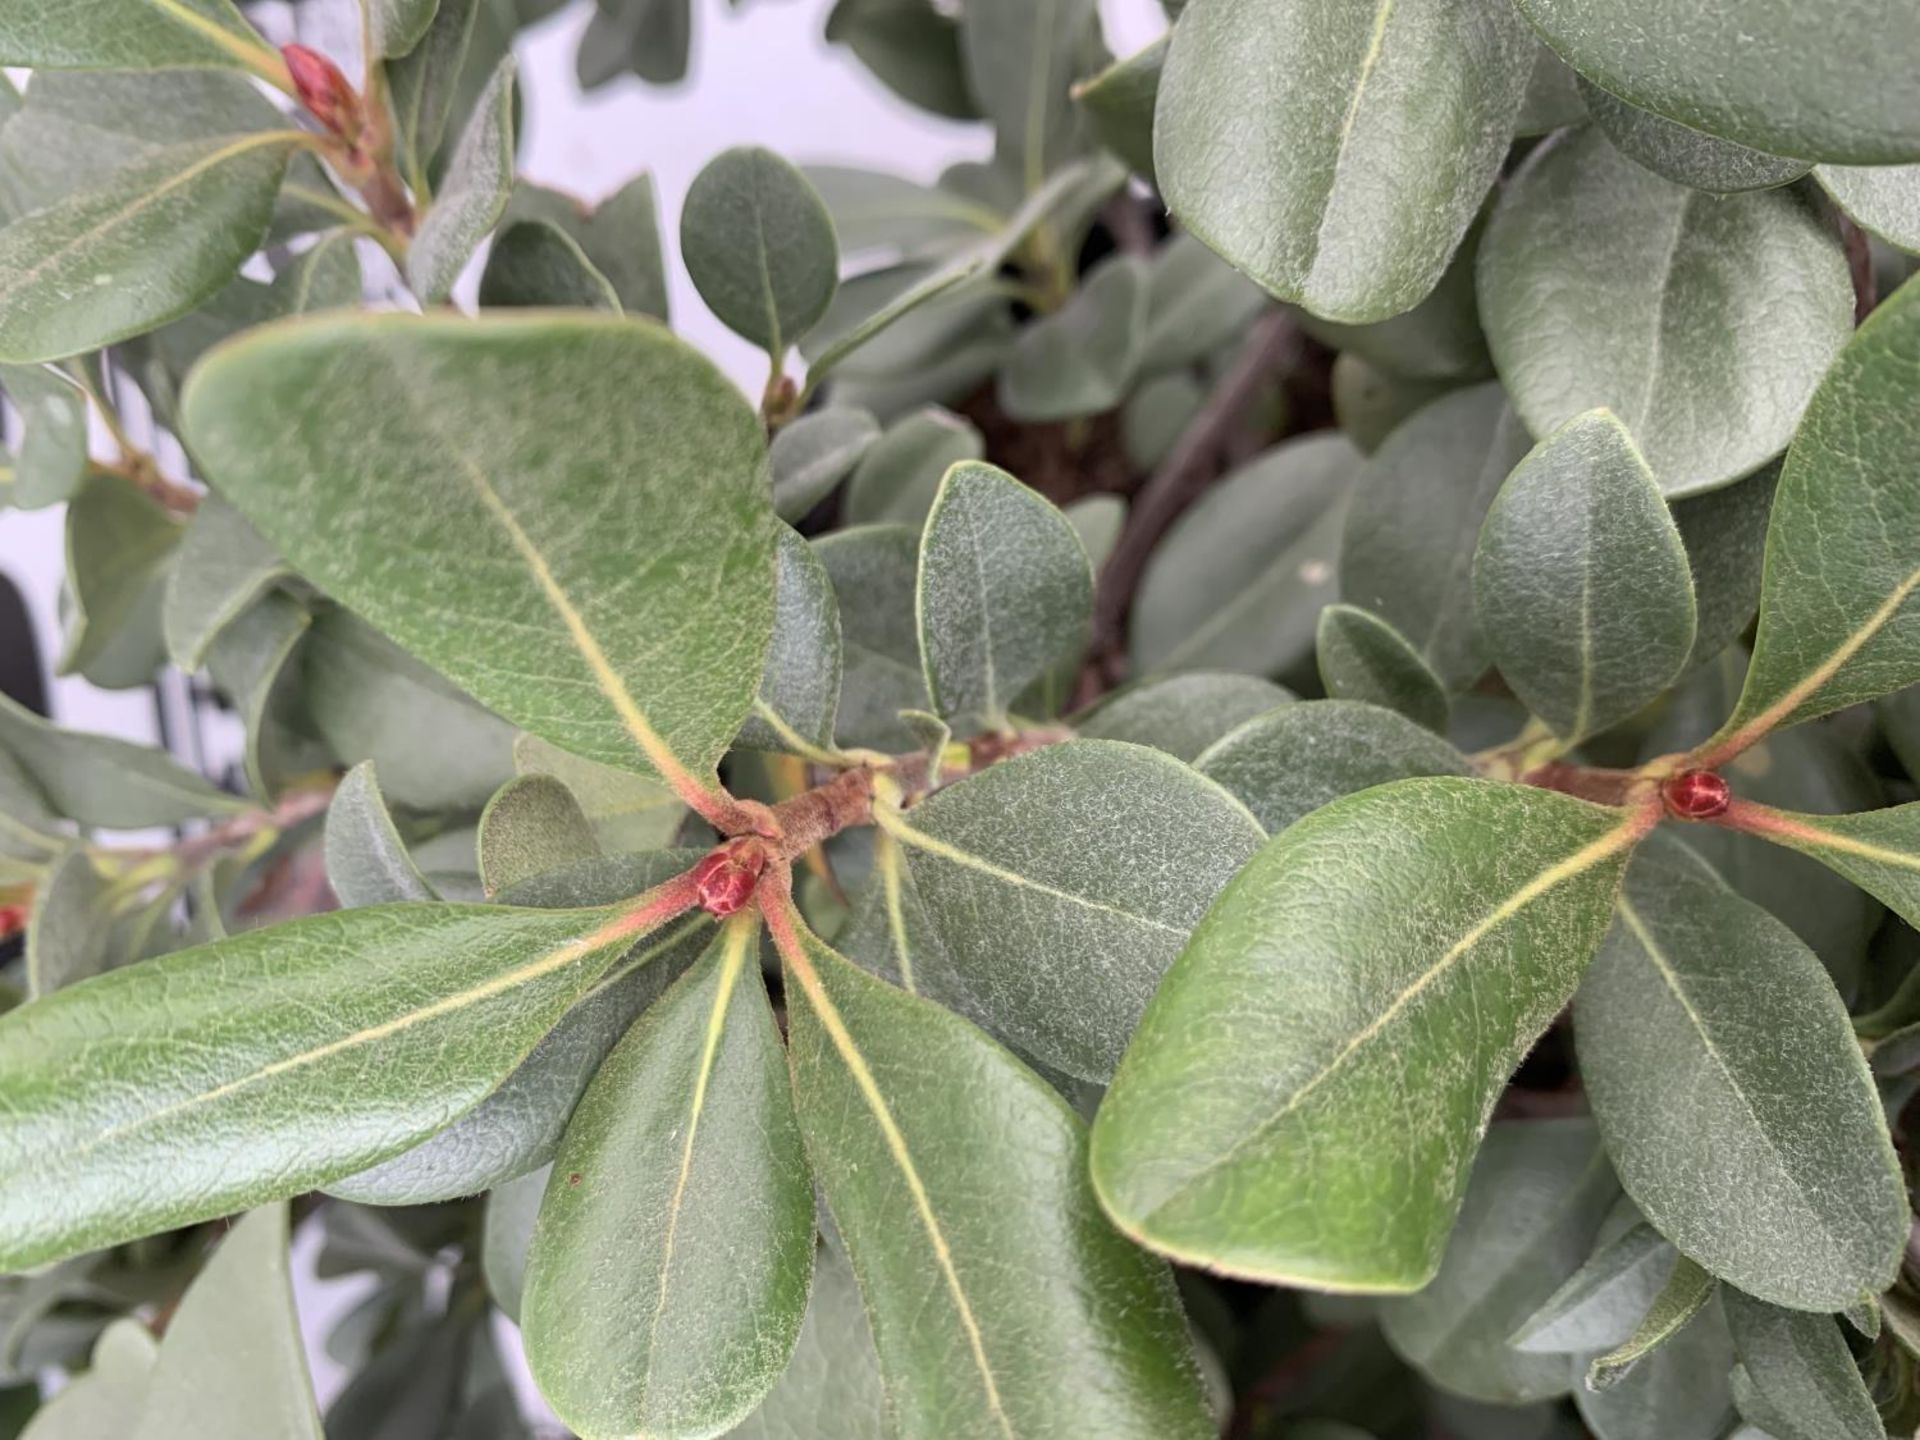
1580, 583
1684, 155
1313, 1075
472, 197
1703, 322
684, 1160
1005, 589
800, 691
1362, 657
1834, 632
599, 636
1342, 170
1057, 940
758, 242
1003, 1303
1757, 1148
263, 1065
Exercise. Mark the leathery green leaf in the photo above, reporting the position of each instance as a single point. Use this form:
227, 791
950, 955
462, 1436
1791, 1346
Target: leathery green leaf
1882, 198
263, 1065
1003, 1303
1839, 81
102, 780
367, 861
832, 1385
1678, 1391
1119, 104
1020, 58
1362, 657
145, 246
1685, 1294
1181, 714
1704, 322
532, 824
1581, 584
1308, 1084
1801, 1371
1878, 850
1602, 1301
474, 196
1759, 1149
800, 691
132, 35
1684, 155
1004, 590
1838, 621
635, 640
760, 247
1342, 171
1539, 1192
683, 1159
232, 1366
1079, 934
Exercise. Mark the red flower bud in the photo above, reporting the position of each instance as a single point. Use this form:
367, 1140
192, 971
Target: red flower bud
13, 919
325, 92
725, 880
1696, 795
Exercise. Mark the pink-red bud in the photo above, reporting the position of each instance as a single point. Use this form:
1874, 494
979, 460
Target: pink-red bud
1696, 795
325, 92
725, 880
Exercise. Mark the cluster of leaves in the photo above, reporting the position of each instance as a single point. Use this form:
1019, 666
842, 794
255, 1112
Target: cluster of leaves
596, 697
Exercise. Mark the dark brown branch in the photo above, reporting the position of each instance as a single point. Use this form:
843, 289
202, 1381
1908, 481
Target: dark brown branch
1271, 345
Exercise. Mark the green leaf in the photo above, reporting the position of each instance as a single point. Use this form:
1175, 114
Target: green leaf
1081, 359
1417, 511
424, 83
1684, 155
106, 1400
531, 825
620, 237
367, 861
1362, 657
1685, 1294
1802, 1371
1836, 82
1580, 583
516, 1127
536, 263
760, 247
800, 691
1438, 339
911, 47
1119, 104
1196, 304
1882, 198
83, 926
1004, 589
1685, 1057
224, 567
604, 649
149, 244
1350, 1009
1878, 850
132, 35
120, 543
1703, 322
474, 196
899, 474
1603, 1301
874, 570
832, 1385
263, 1065
1241, 576
1080, 934
684, 1159
1182, 714
650, 38
627, 812
1369, 403
255, 664
1553, 96
232, 1366
815, 453
50, 458
394, 27
1002, 1301
876, 211
1678, 1392
1020, 58
100, 780
1725, 532
507, 1236
1380, 128
1837, 620
1537, 1194
370, 700
1291, 761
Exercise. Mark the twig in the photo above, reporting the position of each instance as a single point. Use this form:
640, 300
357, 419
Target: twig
1271, 346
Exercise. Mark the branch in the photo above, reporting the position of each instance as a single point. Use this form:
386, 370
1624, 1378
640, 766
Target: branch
1271, 346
